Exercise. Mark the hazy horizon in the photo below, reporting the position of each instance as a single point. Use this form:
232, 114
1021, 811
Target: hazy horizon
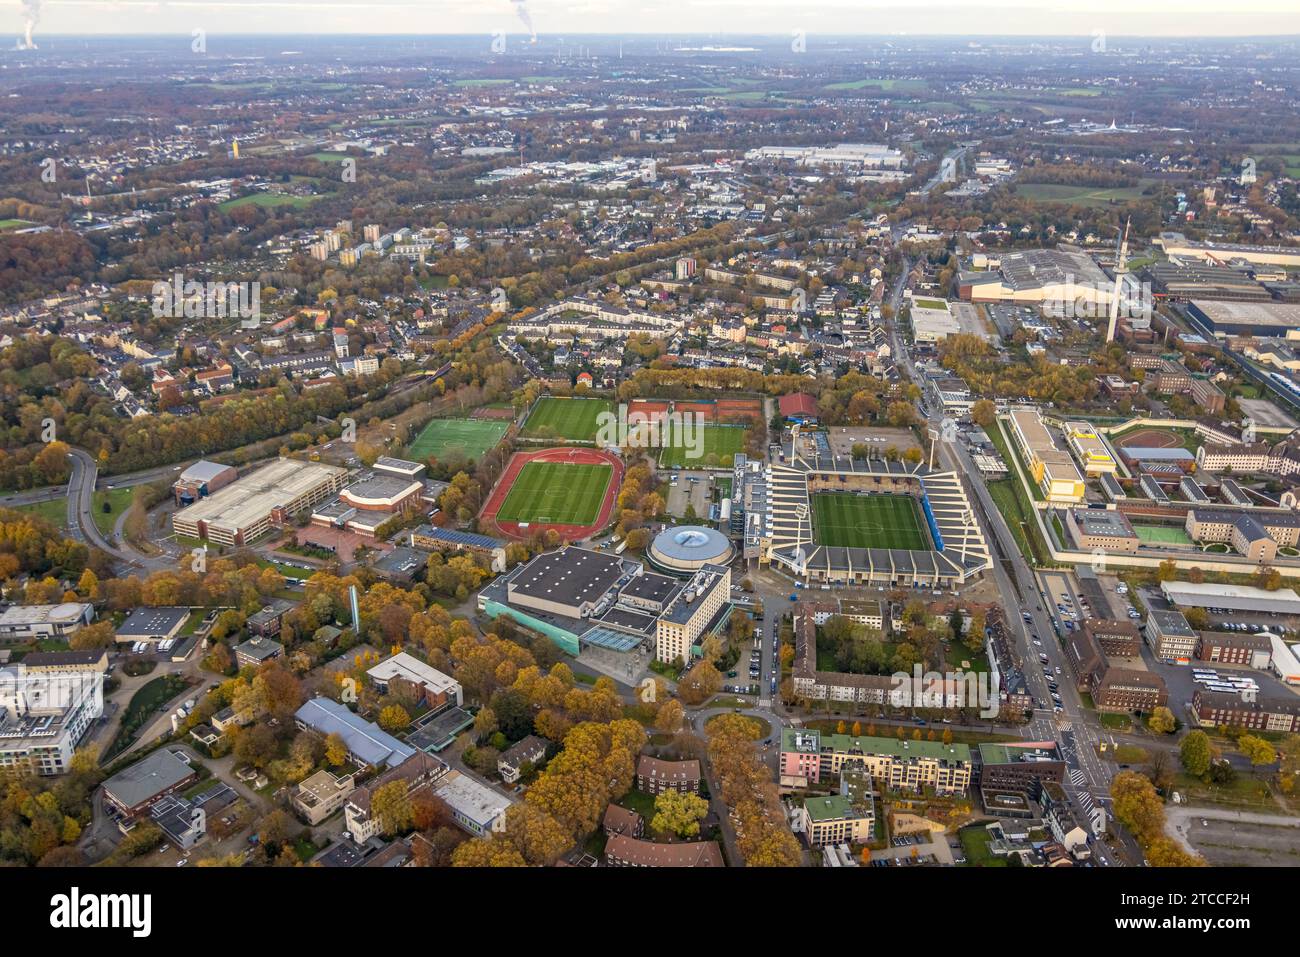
957, 19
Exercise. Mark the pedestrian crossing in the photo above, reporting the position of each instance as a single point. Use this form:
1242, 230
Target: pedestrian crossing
1078, 778
1084, 798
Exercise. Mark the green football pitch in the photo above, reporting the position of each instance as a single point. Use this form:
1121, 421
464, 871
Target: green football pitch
720, 441
447, 437
571, 419
846, 520
556, 493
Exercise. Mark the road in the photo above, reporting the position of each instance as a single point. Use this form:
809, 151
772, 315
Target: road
1075, 729
81, 518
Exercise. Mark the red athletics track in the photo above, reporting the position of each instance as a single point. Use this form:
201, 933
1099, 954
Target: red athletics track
572, 533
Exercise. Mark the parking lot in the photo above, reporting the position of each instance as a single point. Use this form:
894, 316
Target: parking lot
691, 488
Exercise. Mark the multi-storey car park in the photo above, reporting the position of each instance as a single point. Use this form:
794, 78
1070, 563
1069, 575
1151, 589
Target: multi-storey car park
247, 509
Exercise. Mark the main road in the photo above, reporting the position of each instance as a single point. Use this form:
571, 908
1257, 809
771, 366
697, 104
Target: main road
1075, 729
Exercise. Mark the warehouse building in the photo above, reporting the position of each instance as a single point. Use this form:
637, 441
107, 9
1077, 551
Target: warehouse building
1276, 320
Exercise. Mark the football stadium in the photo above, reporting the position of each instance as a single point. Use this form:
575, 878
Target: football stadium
836, 520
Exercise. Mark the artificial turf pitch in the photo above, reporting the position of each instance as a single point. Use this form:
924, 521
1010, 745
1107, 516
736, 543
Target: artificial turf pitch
556, 493
723, 441
847, 520
571, 419
467, 437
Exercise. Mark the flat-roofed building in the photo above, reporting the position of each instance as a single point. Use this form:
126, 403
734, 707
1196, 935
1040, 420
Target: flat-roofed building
836, 819
321, 794
201, 480
1051, 467
1090, 449
1105, 529
692, 612
1279, 320
407, 675
19, 623
912, 765
152, 624
249, 508
44, 715
1170, 636
1006, 768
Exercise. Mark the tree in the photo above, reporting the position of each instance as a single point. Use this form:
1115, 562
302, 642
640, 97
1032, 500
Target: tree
1161, 721
670, 717
336, 750
1137, 806
700, 683
1257, 750
539, 838
1195, 753
983, 413
394, 718
390, 805
679, 813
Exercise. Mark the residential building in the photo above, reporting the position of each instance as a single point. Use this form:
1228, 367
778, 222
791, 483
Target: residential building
836, 819
654, 776
622, 850
810, 756
529, 750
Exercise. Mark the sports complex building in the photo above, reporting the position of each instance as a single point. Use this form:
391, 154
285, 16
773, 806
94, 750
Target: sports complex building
837, 520
579, 597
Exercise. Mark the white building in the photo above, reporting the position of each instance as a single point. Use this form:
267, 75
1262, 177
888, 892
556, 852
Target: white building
43, 716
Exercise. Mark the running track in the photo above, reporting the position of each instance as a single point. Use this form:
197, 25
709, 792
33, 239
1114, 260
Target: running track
572, 533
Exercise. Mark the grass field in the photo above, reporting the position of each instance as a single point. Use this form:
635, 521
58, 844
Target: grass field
868, 521
571, 419
470, 438
14, 223
1078, 195
556, 493
268, 200
720, 441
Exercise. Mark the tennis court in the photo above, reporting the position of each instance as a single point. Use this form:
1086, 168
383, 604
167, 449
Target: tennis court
848, 520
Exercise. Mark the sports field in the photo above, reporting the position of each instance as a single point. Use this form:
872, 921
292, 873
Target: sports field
843, 519
572, 419
1161, 535
720, 441
556, 493
470, 438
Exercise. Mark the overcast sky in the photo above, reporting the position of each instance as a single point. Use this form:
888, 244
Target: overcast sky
573, 17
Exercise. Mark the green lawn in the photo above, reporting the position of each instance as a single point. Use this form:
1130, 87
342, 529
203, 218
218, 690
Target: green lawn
469, 438
1078, 195
975, 843
721, 443
269, 200
848, 520
575, 420
119, 500
556, 493
13, 223
55, 511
